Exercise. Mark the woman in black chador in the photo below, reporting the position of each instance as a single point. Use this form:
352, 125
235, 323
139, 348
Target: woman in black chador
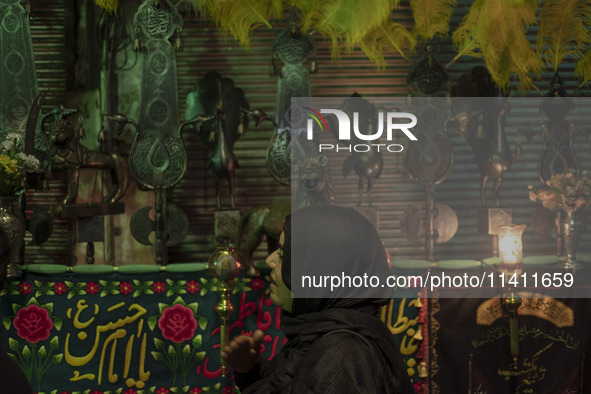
335, 345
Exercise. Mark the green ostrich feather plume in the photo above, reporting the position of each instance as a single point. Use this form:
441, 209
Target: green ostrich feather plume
343, 22
583, 69
564, 30
111, 6
431, 17
389, 36
239, 18
496, 31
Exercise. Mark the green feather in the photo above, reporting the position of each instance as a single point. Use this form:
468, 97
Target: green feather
239, 18
389, 36
343, 22
431, 17
496, 30
465, 36
563, 31
111, 6
583, 69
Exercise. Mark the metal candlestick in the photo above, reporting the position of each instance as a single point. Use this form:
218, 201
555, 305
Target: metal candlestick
225, 264
512, 303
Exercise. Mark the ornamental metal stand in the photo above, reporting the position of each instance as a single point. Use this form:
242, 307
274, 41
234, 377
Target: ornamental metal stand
428, 161
293, 48
558, 157
158, 159
480, 120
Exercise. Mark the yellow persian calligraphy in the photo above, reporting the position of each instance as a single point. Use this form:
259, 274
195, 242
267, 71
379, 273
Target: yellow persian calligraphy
113, 331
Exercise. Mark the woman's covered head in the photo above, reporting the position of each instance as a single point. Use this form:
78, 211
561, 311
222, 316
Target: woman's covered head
330, 255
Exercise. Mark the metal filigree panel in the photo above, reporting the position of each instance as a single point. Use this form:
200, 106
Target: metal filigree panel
19, 82
293, 48
158, 158
430, 159
558, 134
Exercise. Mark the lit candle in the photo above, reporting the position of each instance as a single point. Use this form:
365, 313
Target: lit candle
510, 245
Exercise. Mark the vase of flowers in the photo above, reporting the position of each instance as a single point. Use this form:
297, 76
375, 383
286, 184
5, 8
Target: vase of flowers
569, 194
14, 167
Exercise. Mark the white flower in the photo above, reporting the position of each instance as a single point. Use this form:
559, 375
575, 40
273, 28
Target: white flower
31, 163
13, 136
11, 142
7, 146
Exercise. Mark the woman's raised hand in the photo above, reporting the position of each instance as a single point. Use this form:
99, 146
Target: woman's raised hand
242, 353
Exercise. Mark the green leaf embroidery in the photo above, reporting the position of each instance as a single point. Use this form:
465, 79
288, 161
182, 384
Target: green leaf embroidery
152, 320
58, 358
54, 343
197, 341
16, 308
42, 352
57, 323
13, 344
186, 351
157, 356
202, 322
7, 322
194, 306
33, 300
162, 307
159, 344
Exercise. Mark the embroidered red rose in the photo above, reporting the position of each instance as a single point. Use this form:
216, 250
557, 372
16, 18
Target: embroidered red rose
125, 288
195, 390
92, 288
256, 284
130, 391
159, 287
25, 288
33, 323
192, 287
178, 323
162, 390
59, 288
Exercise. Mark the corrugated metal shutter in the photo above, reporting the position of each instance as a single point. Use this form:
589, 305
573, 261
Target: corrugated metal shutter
207, 49
49, 26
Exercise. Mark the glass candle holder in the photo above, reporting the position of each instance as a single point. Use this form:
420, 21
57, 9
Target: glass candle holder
510, 244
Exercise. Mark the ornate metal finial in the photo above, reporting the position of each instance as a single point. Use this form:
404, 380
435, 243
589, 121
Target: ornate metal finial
225, 265
428, 76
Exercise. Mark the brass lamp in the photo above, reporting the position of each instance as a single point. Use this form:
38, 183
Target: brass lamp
225, 265
511, 255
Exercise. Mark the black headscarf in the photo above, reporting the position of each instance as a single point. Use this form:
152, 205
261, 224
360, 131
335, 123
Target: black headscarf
341, 238
330, 240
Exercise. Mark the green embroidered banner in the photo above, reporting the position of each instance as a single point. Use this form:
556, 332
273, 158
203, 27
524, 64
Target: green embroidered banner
135, 333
